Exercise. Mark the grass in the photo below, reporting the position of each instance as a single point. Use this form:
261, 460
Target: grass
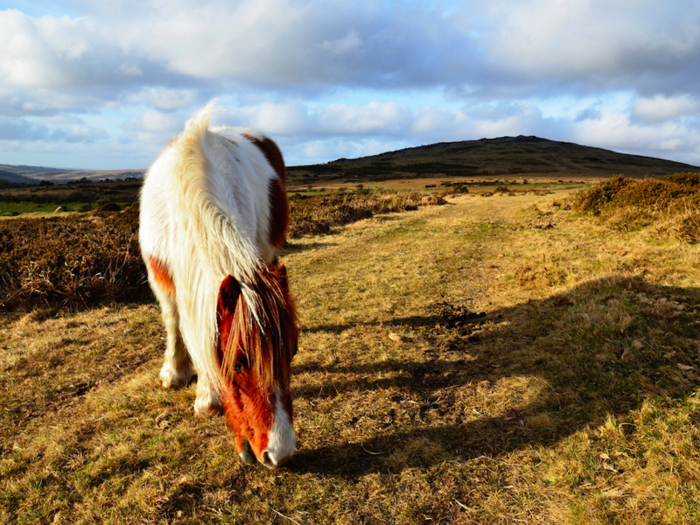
494, 360
35, 207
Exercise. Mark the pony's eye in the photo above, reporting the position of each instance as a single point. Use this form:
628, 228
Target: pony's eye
237, 368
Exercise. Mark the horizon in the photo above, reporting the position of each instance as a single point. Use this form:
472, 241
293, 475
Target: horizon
373, 155
104, 87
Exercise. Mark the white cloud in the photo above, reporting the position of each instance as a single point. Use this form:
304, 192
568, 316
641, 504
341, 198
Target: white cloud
287, 118
617, 131
661, 108
375, 117
163, 98
27, 60
153, 121
602, 43
350, 42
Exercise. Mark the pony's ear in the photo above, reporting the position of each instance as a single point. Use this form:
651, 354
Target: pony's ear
229, 291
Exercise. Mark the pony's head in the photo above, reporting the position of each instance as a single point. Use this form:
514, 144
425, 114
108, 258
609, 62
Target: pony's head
257, 340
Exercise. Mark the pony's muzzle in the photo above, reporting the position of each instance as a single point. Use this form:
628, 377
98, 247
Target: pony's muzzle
281, 442
275, 461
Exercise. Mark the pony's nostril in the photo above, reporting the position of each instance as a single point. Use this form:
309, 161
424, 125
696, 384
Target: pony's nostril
266, 460
247, 453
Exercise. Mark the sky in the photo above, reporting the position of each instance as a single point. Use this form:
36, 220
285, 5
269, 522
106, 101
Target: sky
92, 84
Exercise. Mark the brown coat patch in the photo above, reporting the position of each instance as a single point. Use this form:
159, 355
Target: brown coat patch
265, 334
161, 275
272, 154
279, 213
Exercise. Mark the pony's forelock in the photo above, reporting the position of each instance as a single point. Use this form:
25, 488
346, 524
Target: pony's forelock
263, 328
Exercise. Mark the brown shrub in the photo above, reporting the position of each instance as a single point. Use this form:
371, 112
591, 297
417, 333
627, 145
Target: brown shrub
315, 215
108, 207
458, 188
669, 203
71, 262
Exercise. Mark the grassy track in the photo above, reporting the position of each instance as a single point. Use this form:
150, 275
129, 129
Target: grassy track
494, 360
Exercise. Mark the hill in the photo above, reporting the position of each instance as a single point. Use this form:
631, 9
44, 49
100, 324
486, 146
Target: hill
500, 157
35, 174
17, 174
513, 157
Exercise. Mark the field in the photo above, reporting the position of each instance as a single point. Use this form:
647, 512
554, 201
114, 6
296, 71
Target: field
501, 358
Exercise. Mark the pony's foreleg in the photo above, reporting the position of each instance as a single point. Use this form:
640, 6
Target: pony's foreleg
177, 370
207, 402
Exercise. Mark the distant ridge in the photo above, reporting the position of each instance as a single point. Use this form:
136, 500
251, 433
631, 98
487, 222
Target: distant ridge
503, 157
35, 174
13, 178
26, 174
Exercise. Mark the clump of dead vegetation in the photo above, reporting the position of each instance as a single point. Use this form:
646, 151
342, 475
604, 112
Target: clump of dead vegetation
671, 204
71, 261
315, 215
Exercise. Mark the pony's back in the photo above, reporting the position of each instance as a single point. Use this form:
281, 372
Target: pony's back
221, 190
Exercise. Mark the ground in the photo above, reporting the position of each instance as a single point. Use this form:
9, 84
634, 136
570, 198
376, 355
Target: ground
494, 360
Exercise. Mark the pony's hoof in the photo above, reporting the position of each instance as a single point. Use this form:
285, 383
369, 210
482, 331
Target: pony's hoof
209, 408
171, 378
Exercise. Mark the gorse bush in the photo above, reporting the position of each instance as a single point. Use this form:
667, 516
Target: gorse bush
671, 204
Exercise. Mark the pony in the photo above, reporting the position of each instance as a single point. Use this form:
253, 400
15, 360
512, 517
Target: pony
213, 217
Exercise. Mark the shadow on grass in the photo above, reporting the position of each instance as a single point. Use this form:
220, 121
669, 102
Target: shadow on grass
294, 247
601, 349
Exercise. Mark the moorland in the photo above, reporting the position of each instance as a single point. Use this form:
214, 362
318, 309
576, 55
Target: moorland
469, 353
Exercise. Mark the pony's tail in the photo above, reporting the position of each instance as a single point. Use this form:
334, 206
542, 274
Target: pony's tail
222, 246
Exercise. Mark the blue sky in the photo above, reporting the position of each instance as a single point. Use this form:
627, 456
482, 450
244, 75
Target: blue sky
104, 85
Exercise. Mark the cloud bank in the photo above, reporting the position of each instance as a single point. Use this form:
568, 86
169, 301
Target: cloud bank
113, 82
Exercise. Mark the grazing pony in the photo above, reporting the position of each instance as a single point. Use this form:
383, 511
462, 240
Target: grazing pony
214, 214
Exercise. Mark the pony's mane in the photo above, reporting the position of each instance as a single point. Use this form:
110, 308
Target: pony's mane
263, 326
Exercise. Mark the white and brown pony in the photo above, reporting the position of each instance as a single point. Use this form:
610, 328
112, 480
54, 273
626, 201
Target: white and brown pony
214, 214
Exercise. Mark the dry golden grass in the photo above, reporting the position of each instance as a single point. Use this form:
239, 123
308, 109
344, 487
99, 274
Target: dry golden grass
494, 360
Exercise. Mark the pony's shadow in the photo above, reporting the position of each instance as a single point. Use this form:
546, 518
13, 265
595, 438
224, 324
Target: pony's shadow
585, 386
